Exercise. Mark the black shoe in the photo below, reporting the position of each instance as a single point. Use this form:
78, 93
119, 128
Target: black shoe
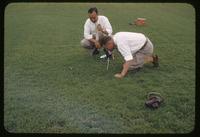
95, 52
135, 70
155, 61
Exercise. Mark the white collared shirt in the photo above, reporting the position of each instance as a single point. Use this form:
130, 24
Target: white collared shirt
90, 27
128, 43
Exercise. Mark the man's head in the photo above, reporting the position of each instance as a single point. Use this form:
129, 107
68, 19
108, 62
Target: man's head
107, 42
93, 14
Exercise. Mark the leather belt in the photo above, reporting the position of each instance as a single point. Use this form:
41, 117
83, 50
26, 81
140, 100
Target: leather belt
144, 44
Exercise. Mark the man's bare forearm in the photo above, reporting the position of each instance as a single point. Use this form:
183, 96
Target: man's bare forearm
92, 40
96, 43
125, 68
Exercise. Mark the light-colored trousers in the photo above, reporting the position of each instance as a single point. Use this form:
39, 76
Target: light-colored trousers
139, 57
90, 45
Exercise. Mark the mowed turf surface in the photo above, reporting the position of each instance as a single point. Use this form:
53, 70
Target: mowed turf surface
53, 85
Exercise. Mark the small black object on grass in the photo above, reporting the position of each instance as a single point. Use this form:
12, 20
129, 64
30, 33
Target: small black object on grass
95, 52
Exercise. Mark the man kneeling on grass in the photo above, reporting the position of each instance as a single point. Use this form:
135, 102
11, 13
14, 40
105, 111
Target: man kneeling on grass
136, 49
95, 27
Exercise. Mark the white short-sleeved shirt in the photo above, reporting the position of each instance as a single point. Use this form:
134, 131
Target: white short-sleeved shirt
90, 27
129, 43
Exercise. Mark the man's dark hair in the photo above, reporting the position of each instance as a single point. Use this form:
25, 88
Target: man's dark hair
92, 10
104, 40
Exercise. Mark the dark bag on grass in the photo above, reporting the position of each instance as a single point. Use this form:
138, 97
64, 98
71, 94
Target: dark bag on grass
154, 100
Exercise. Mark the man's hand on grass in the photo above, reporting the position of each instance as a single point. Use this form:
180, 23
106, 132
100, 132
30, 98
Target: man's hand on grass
124, 70
119, 75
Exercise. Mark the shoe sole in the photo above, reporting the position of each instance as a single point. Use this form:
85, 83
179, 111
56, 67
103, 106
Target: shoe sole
156, 63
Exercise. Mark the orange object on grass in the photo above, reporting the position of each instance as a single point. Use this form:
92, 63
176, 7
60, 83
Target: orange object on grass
140, 21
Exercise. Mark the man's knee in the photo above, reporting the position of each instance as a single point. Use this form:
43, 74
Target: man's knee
85, 43
137, 62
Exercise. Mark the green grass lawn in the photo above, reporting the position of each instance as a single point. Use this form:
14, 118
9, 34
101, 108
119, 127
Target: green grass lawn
53, 85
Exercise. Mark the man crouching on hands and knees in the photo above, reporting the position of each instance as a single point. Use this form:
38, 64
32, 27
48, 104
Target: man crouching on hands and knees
136, 49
